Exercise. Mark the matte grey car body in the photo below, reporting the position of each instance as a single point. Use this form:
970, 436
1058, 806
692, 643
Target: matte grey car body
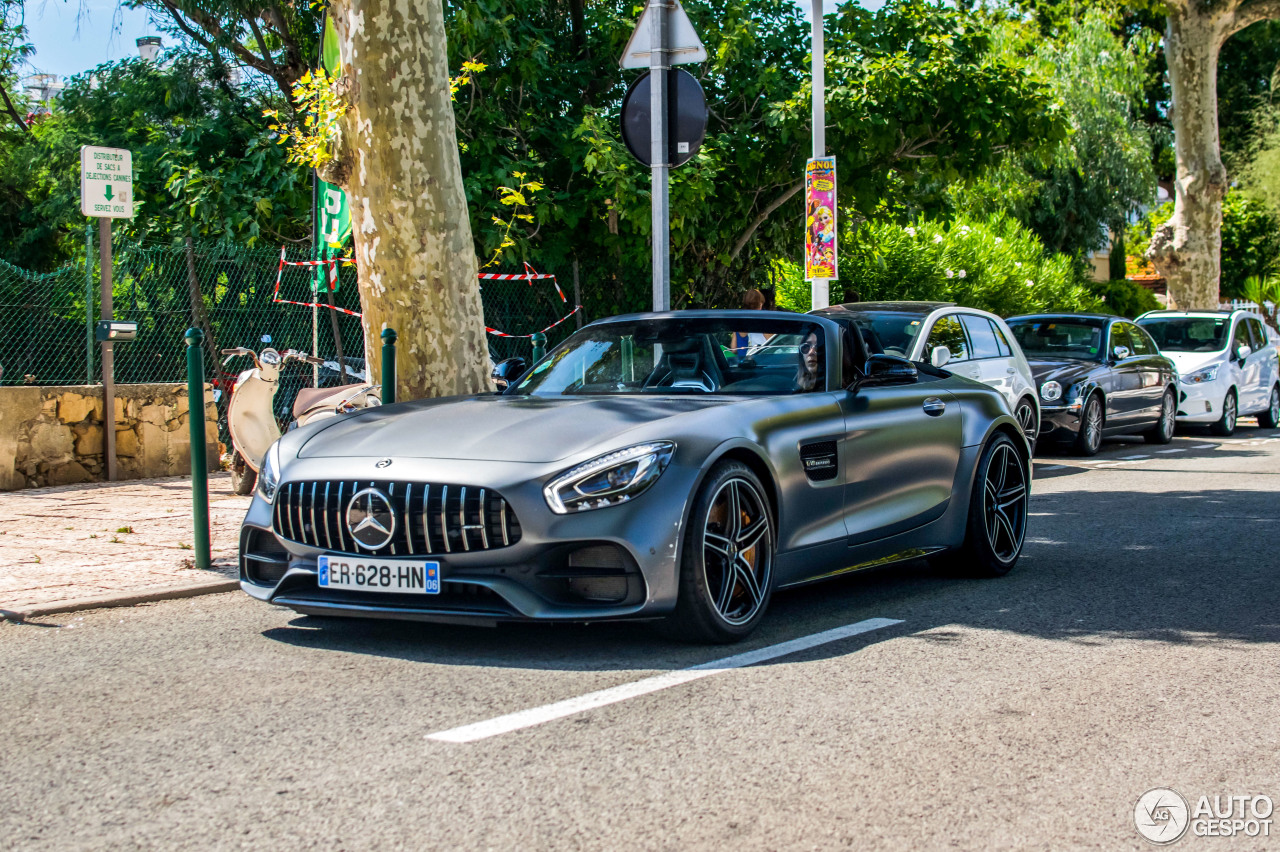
853, 472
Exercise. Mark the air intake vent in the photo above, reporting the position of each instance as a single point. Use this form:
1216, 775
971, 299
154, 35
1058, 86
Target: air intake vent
819, 460
429, 518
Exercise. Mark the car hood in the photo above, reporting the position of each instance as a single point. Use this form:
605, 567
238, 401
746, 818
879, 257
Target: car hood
1064, 371
496, 428
1189, 362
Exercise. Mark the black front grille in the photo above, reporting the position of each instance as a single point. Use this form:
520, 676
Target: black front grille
430, 518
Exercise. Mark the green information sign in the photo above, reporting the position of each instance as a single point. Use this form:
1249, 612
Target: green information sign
333, 218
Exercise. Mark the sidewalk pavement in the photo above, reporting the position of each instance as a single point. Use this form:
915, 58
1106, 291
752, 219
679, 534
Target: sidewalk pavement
86, 546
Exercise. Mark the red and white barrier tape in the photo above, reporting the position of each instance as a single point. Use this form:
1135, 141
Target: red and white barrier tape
332, 275
529, 275
497, 333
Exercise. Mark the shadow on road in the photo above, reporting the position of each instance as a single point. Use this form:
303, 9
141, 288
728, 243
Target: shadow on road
1176, 567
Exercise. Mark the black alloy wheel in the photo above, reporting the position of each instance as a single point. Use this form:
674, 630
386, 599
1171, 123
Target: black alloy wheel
726, 571
1026, 417
1089, 438
997, 524
1162, 432
1270, 418
1225, 426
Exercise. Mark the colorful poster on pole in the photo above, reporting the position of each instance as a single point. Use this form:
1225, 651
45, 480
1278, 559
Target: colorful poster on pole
820, 218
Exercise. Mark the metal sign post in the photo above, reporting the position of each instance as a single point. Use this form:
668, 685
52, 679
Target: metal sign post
821, 286
662, 38
106, 192
660, 170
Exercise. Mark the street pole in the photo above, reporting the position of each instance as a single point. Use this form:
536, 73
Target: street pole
821, 286
108, 356
658, 65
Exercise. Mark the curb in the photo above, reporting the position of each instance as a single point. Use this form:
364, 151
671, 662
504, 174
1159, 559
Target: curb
164, 593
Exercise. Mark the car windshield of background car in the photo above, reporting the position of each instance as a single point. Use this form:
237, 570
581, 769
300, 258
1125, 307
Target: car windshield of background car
889, 332
1188, 334
1059, 338
683, 356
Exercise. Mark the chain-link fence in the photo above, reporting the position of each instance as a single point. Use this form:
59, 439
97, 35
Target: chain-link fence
47, 320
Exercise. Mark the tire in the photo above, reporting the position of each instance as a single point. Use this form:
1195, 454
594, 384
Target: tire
1025, 414
1092, 420
1225, 426
1162, 432
243, 477
1001, 492
716, 605
1270, 418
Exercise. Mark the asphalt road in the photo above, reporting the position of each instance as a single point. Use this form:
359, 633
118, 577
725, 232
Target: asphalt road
1135, 646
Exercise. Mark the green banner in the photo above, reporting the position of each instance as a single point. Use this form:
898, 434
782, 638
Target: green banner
333, 219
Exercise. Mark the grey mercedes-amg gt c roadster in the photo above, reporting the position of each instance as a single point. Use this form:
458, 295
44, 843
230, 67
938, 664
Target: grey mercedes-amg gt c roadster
668, 466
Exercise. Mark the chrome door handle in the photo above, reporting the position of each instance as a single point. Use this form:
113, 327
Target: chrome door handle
934, 406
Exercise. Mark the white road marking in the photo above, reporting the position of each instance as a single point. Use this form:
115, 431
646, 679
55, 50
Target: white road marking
1204, 446
590, 701
1181, 450
1132, 458
1051, 467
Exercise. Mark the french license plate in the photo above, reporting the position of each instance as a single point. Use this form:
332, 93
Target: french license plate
402, 576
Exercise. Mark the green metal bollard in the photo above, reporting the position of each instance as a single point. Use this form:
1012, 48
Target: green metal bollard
388, 366
199, 463
539, 346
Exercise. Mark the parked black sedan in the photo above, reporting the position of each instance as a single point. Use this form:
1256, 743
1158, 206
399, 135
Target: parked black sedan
1097, 375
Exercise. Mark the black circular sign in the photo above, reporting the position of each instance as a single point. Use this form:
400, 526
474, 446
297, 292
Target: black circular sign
686, 117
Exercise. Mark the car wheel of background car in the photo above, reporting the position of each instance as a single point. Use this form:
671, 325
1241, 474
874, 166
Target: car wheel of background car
243, 478
1089, 438
1162, 432
726, 571
1270, 418
1026, 417
1226, 424
997, 525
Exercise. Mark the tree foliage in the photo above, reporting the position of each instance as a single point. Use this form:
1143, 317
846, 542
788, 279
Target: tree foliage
204, 164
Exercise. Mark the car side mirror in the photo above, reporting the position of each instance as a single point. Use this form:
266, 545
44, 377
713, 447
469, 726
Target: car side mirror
1121, 352
940, 356
507, 372
884, 370
1243, 351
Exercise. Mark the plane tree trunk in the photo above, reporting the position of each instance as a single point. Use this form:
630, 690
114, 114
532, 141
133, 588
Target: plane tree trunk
398, 161
1187, 249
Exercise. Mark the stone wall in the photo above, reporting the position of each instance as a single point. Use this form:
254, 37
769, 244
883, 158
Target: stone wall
54, 435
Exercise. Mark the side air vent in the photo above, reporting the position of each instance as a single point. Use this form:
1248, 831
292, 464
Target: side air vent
819, 460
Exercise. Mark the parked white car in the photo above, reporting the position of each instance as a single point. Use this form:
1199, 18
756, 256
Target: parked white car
1227, 366
964, 341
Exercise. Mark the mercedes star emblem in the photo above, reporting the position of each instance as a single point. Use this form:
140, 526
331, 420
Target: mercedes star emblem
370, 519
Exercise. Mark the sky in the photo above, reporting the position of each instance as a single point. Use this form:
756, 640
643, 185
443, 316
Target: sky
71, 36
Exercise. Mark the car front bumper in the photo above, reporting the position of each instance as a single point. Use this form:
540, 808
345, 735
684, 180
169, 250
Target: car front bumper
1200, 403
616, 562
1059, 423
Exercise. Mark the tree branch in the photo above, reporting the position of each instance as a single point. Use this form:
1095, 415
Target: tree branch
9, 108
1251, 12
210, 26
759, 220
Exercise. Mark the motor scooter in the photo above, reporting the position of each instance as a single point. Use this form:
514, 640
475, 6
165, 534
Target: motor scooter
251, 418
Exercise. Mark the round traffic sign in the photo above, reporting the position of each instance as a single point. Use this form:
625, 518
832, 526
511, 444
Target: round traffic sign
686, 117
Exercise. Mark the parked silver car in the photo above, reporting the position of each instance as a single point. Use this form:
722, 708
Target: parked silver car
644, 468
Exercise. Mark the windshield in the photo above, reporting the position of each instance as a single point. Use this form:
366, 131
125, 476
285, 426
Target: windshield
1188, 334
758, 357
888, 332
1060, 337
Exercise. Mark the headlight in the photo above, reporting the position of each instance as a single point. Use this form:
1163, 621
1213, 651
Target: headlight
1208, 374
270, 357
608, 480
269, 475
1051, 391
